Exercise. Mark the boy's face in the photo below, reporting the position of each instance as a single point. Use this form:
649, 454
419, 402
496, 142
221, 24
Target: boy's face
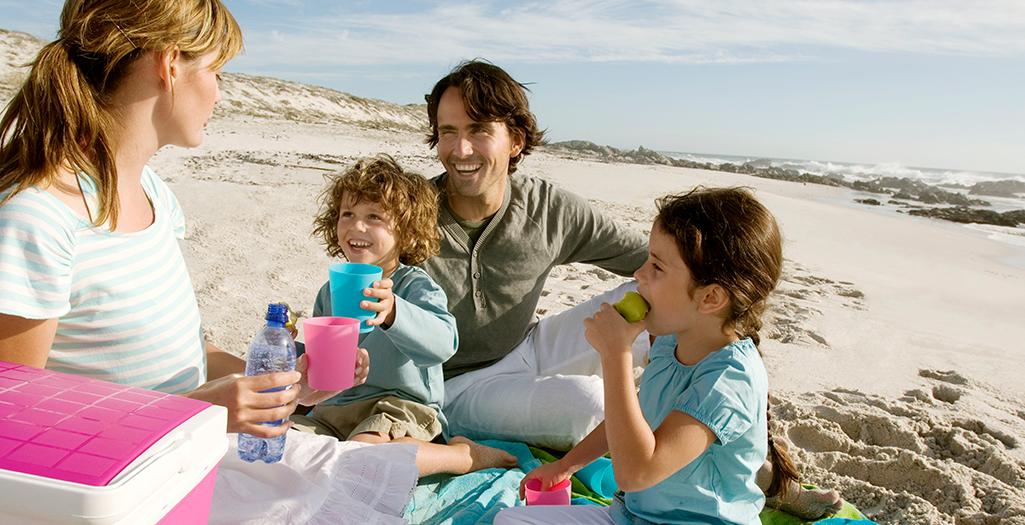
664, 281
366, 234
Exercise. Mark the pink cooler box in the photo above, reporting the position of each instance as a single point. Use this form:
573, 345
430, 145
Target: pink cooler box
78, 450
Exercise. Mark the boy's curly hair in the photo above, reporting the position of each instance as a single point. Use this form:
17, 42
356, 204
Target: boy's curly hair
410, 200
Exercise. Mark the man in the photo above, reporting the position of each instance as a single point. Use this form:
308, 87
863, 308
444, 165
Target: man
512, 376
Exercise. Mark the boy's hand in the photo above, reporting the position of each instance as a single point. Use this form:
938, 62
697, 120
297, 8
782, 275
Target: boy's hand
385, 305
309, 396
609, 333
550, 475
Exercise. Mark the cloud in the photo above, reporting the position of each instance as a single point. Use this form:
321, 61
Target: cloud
660, 31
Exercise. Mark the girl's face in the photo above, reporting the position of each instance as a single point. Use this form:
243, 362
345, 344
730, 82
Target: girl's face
196, 91
367, 235
664, 281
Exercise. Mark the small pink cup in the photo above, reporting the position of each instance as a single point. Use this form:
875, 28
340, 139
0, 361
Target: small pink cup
331, 346
557, 495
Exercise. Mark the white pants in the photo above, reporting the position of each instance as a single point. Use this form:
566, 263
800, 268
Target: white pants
548, 391
561, 514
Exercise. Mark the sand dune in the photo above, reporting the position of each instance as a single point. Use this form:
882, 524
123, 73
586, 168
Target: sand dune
890, 342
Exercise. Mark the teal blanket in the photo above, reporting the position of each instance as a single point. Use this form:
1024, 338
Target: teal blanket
475, 498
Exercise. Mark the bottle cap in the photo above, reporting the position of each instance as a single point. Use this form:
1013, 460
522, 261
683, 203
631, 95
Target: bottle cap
277, 312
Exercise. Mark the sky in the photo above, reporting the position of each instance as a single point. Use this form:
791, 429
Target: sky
923, 83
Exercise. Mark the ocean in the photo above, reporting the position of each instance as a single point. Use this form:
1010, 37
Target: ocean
950, 180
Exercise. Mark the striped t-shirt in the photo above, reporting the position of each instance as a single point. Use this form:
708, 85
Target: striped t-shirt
125, 305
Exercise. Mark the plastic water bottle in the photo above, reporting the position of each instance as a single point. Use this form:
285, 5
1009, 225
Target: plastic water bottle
272, 350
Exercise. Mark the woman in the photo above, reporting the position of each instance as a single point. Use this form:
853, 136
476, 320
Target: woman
92, 280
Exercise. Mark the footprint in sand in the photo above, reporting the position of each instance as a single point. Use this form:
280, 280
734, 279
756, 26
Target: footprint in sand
946, 393
947, 376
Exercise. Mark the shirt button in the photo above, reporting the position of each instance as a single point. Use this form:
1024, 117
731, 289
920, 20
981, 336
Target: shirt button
478, 293
476, 275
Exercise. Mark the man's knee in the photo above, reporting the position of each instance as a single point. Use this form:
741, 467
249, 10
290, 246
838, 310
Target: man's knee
578, 399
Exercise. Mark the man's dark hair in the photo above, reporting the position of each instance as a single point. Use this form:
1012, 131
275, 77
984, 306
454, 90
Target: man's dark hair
489, 95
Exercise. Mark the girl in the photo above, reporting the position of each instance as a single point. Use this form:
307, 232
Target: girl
376, 213
687, 447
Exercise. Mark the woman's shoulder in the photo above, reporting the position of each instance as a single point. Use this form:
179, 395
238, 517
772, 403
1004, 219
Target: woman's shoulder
155, 185
36, 209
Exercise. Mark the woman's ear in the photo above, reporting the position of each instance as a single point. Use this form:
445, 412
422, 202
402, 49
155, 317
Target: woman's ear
169, 66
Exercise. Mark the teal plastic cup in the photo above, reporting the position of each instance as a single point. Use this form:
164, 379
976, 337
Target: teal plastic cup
598, 477
347, 281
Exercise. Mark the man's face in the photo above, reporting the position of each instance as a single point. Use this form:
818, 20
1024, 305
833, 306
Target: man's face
475, 154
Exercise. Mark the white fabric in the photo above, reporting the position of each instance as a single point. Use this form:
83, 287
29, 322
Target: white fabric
560, 514
547, 391
320, 480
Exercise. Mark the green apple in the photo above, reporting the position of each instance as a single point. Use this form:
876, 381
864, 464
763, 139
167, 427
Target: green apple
632, 307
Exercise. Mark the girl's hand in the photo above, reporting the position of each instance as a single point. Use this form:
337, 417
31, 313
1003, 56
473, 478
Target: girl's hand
385, 305
550, 474
309, 396
609, 333
249, 404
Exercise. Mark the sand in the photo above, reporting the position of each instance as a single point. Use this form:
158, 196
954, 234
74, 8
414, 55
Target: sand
890, 342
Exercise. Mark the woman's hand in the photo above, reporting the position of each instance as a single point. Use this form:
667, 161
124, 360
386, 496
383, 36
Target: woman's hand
550, 475
609, 333
310, 396
385, 305
253, 400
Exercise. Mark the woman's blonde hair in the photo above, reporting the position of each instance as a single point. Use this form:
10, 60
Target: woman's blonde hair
63, 118
410, 200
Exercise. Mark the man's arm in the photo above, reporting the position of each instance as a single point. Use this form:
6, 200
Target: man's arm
589, 236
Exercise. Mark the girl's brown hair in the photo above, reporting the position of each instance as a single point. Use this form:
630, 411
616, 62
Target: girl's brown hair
410, 200
726, 237
63, 117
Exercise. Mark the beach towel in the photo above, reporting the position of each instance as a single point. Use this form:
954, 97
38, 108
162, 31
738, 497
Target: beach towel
475, 498
320, 480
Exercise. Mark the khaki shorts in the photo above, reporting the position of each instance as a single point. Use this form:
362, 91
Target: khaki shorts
392, 416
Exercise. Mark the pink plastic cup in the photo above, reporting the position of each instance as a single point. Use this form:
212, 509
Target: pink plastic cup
331, 346
557, 495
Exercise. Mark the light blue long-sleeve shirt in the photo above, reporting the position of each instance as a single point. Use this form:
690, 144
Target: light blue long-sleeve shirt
406, 357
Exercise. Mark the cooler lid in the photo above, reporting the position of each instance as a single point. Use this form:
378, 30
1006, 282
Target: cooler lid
77, 429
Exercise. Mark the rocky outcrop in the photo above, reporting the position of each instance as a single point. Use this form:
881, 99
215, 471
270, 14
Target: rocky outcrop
964, 214
998, 188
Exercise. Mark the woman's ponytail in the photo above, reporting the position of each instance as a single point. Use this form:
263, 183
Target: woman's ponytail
56, 122
63, 118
